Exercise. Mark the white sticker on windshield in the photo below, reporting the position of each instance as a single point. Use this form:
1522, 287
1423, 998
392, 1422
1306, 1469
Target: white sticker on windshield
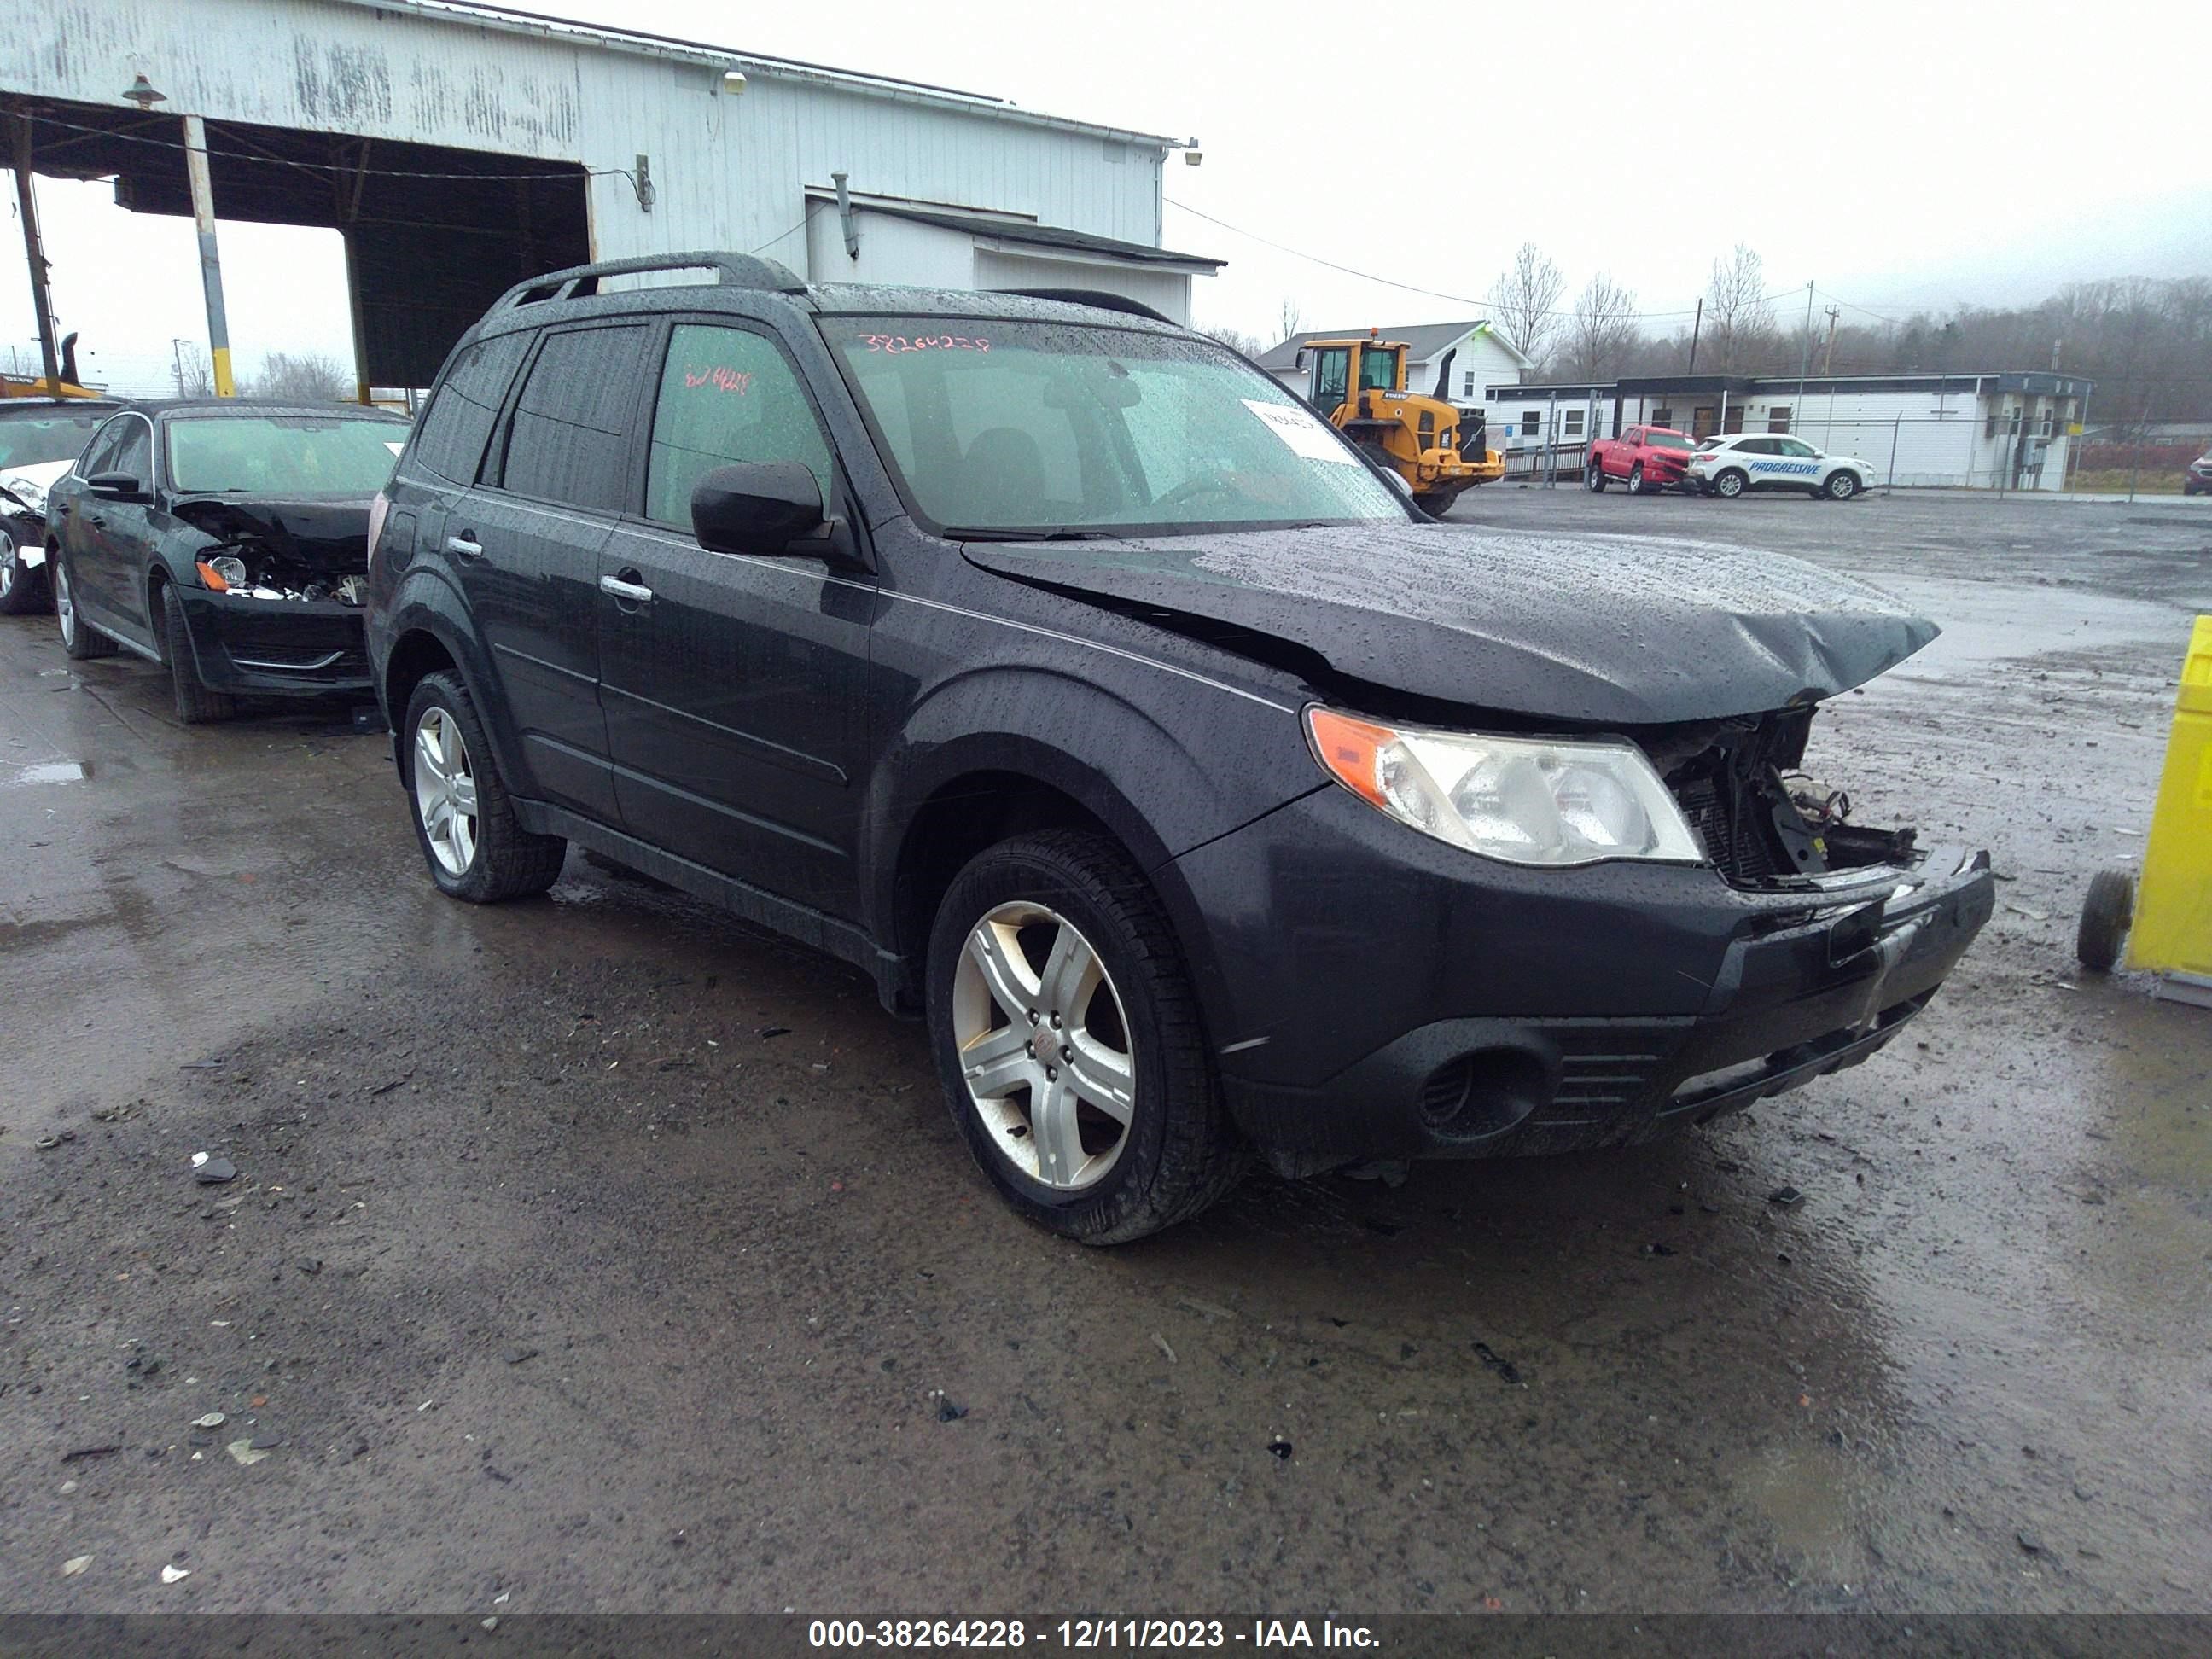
1306, 435
395, 447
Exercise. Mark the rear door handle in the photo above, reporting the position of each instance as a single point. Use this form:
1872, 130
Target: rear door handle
629, 591
467, 546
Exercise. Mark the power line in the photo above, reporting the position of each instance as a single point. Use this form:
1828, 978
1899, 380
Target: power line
343, 167
1487, 302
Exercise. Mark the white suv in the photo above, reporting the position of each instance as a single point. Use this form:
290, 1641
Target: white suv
1728, 466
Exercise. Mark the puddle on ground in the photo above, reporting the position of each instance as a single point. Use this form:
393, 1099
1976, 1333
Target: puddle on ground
49, 772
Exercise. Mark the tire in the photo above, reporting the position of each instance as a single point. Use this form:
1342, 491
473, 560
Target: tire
485, 855
22, 587
196, 704
1730, 483
1105, 1180
2106, 915
1843, 484
1594, 477
1636, 479
1434, 505
81, 641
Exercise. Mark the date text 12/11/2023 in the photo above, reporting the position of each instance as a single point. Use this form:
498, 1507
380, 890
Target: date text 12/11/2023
1086, 1635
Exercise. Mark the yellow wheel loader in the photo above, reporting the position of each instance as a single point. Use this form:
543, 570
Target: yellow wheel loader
1359, 385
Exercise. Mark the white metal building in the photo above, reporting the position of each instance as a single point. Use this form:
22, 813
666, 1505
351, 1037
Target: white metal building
2011, 431
1481, 356
461, 147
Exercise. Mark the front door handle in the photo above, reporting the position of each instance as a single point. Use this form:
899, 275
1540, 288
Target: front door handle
628, 592
464, 544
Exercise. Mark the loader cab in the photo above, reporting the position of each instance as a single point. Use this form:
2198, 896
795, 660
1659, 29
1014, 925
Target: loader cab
1338, 370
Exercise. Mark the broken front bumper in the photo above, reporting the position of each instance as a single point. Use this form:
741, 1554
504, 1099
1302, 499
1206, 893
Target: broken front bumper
1376, 994
275, 648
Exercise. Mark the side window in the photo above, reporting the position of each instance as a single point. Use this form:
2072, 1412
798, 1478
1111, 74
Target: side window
459, 421
726, 394
1792, 447
136, 456
100, 455
568, 440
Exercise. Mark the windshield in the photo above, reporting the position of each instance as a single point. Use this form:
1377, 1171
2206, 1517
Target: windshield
1666, 439
282, 454
1024, 428
48, 438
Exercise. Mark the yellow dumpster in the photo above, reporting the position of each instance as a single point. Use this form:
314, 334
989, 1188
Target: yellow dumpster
2172, 931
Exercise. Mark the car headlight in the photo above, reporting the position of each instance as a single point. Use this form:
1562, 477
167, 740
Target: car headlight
32, 495
1525, 800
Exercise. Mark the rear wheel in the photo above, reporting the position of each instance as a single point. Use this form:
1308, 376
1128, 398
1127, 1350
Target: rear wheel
2106, 915
80, 642
196, 704
1593, 478
464, 820
1729, 485
1843, 484
1068, 1040
22, 587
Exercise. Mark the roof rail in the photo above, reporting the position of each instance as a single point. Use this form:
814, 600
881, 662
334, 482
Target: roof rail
577, 281
1097, 299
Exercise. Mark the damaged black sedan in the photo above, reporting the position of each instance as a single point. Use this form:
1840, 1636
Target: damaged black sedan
1077, 682
226, 540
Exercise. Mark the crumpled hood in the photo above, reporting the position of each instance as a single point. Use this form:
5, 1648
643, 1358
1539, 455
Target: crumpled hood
1608, 630
330, 538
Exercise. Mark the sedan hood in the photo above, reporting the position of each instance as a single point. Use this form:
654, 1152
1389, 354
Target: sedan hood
324, 536
1603, 630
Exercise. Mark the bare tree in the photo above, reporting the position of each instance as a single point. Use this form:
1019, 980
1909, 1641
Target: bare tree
189, 366
306, 377
1739, 319
1527, 297
1292, 321
1249, 345
1603, 331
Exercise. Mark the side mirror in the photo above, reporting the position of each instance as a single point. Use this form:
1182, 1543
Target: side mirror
121, 486
1302, 360
755, 507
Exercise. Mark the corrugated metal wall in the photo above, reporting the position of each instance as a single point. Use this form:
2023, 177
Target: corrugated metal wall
729, 170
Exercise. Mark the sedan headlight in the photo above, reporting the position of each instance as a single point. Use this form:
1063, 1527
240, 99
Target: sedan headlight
32, 494
1526, 800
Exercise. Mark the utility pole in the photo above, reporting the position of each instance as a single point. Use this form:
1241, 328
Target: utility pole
1696, 329
42, 307
177, 356
196, 169
1804, 361
1828, 358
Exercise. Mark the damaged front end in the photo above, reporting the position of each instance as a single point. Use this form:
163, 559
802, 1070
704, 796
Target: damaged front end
1763, 820
276, 609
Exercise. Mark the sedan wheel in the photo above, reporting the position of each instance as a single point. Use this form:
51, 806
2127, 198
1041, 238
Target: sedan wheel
1843, 484
1044, 1046
21, 587
1728, 485
80, 642
446, 791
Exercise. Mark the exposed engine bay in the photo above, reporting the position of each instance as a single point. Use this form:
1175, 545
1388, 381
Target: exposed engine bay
1765, 821
314, 551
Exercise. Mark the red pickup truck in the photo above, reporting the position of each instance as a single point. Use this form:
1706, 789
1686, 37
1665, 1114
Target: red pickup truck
1644, 457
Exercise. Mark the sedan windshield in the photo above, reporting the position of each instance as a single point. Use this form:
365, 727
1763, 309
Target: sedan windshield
1023, 428
48, 437
282, 454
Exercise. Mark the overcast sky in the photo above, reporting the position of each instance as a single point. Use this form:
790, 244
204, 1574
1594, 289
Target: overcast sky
1901, 155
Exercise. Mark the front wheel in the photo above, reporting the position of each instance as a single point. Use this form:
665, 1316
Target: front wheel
22, 587
1843, 484
1636, 479
1068, 1040
81, 642
475, 845
1729, 485
195, 705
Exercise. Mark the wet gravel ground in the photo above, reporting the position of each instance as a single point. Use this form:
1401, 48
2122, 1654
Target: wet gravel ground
594, 1253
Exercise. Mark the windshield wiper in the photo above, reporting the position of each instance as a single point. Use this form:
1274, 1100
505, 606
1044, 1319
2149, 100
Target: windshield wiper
958, 535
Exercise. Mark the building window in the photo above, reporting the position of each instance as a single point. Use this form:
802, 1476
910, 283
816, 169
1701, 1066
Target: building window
1570, 423
1777, 419
1466, 384
1663, 417
2047, 419
1532, 421
1990, 423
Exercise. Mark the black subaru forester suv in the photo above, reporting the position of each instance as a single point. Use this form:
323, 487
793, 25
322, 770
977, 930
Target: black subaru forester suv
1088, 690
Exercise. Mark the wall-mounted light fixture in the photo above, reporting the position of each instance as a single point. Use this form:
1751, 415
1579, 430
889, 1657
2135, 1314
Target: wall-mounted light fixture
140, 92
734, 81
1192, 154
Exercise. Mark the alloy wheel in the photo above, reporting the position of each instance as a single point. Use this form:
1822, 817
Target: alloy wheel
64, 603
446, 790
1044, 1046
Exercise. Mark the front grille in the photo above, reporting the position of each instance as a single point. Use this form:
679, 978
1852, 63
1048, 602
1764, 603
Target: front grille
1738, 842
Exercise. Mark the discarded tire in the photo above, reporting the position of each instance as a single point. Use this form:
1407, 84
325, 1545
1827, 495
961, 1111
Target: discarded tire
2105, 915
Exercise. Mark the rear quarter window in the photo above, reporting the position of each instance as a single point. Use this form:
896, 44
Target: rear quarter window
459, 422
